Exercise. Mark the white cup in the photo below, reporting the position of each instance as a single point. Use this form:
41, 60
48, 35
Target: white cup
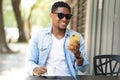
51, 71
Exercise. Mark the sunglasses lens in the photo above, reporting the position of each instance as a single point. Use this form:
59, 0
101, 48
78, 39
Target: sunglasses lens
60, 15
68, 16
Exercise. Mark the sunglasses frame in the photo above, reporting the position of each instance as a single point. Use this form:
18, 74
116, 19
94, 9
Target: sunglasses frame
62, 15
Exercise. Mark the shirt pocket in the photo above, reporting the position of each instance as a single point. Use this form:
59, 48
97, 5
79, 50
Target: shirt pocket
42, 50
43, 45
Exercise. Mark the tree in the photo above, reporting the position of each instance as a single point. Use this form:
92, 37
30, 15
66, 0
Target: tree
20, 23
28, 14
28, 22
3, 44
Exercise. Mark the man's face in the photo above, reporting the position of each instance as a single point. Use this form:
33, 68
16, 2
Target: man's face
61, 18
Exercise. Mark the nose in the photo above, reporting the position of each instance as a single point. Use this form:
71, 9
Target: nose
64, 18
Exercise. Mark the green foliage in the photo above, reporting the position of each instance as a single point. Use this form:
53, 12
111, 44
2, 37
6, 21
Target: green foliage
8, 14
41, 15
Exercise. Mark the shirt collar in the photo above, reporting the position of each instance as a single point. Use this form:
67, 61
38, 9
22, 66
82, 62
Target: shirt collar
67, 33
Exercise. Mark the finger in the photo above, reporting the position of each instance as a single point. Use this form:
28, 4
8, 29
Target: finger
36, 71
36, 74
42, 69
77, 42
70, 47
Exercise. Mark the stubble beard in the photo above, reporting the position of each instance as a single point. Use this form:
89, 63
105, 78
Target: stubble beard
62, 29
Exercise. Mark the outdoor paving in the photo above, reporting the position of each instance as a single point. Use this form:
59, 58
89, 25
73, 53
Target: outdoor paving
13, 66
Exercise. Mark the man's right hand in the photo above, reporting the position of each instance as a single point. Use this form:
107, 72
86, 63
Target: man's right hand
39, 70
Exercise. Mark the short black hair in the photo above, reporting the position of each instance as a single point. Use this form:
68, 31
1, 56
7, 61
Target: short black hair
59, 4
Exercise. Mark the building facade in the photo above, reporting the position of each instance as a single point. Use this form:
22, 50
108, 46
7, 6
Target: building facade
99, 23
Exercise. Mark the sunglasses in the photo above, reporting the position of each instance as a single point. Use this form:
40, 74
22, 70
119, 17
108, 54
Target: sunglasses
62, 15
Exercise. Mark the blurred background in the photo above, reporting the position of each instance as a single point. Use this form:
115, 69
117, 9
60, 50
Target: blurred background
97, 20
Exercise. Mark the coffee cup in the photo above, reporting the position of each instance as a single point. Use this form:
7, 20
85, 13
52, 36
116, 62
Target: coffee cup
51, 71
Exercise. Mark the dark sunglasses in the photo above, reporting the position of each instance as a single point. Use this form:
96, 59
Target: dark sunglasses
62, 15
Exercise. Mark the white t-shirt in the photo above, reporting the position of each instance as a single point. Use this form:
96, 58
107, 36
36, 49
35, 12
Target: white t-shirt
56, 58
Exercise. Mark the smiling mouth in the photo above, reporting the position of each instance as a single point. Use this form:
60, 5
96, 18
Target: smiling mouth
63, 23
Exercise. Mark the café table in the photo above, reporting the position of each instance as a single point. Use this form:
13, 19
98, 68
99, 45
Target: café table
79, 77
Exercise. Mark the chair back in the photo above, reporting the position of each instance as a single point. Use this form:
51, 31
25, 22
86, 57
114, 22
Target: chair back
108, 65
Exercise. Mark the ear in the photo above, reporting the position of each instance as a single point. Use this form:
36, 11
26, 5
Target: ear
51, 14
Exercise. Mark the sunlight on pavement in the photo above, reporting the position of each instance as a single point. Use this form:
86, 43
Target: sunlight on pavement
13, 66
14, 74
11, 78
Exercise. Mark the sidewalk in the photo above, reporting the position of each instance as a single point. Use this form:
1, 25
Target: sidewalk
12, 66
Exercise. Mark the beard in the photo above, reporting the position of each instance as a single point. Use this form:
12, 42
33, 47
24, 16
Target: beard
61, 28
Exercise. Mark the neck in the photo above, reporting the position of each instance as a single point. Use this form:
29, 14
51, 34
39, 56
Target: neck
59, 34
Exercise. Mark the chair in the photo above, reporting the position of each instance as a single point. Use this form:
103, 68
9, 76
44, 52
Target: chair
108, 65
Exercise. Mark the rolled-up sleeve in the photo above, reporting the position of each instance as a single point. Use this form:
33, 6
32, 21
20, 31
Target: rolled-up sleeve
85, 62
32, 57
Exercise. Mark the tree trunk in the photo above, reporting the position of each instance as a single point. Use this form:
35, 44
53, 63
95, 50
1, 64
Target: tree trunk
28, 23
3, 44
16, 8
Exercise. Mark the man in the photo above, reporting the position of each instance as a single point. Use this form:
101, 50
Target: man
52, 47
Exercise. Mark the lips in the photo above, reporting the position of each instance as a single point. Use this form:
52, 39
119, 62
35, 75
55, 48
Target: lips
64, 24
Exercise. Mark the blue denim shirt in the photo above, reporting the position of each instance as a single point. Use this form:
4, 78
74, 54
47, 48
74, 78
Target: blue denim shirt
40, 45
